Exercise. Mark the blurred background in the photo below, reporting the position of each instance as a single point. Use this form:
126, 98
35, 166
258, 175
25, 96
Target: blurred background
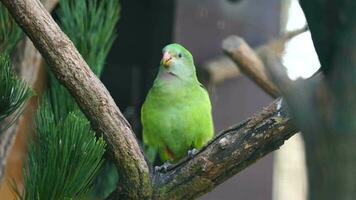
146, 26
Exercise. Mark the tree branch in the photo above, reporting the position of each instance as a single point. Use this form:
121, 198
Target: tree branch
248, 61
91, 95
251, 62
278, 45
227, 154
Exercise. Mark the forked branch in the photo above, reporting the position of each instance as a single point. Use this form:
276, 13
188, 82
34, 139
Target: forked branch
252, 63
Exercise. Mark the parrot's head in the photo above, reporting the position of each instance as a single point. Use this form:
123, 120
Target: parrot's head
178, 61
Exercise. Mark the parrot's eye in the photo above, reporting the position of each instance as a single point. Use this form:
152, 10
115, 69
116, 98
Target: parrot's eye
179, 55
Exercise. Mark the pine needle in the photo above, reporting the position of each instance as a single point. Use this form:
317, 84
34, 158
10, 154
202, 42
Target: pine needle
91, 26
10, 33
64, 157
13, 92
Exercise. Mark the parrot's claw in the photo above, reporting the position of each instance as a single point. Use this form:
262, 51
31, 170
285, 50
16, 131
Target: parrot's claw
192, 152
163, 168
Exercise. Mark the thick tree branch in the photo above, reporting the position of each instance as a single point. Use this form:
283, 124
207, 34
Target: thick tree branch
27, 61
230, 152
91, 95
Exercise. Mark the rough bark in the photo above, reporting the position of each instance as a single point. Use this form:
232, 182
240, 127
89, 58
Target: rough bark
27, 62
91, 95
227, 154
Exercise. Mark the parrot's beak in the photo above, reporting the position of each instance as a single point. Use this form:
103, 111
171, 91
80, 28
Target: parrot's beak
166, 60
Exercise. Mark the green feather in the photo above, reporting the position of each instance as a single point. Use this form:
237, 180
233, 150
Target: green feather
176, 115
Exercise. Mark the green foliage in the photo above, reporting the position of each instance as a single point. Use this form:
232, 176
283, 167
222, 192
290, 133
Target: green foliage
64, 156
91, 26
13, 92
10, 33
63, 159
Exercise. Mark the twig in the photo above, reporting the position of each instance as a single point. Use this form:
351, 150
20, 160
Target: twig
248, 61
278, 45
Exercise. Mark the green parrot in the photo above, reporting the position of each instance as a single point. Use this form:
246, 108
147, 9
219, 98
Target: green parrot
176, 115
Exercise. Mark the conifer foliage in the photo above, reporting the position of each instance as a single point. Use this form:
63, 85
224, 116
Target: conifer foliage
63, 159
13, 92
64, 155
10, 33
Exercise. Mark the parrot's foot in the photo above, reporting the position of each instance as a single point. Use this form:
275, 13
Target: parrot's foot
163, 168
192, 152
